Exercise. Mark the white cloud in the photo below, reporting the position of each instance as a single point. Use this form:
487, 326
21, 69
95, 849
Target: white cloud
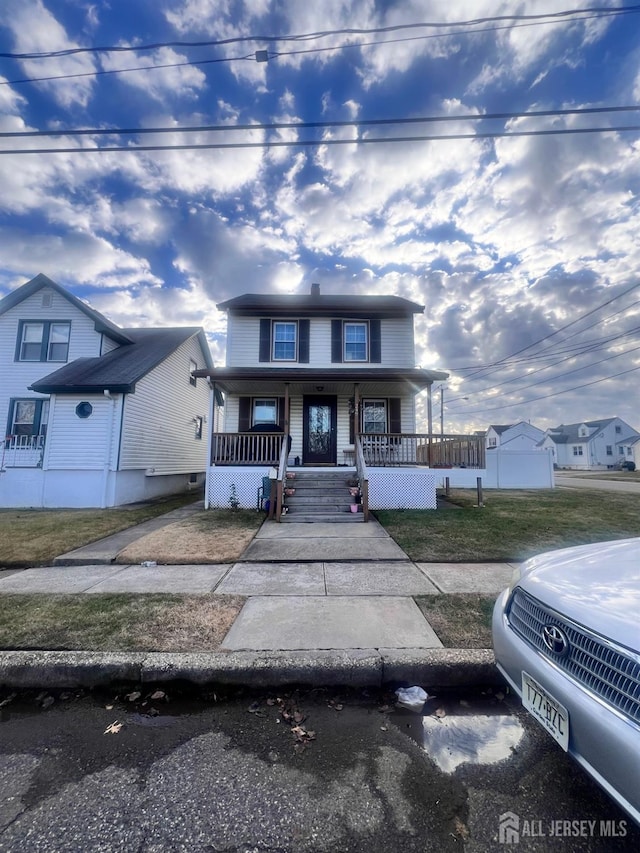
184, 82
36, 30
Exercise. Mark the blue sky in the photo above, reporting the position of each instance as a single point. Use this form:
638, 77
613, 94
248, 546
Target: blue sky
506, 241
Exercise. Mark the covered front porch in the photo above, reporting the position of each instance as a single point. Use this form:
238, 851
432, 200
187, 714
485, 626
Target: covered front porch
360, 421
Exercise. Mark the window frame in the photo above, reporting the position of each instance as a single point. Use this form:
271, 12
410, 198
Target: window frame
40, 416
275, 341
45, 343
577, 450
364, 324
264, 400
193, 365
367, 402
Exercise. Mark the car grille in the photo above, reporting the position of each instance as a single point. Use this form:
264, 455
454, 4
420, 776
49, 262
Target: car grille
606, 670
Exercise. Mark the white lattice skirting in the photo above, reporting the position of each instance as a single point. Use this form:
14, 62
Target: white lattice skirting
389, 488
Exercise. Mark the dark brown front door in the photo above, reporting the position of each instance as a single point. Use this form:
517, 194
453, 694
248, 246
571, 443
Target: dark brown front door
319, 436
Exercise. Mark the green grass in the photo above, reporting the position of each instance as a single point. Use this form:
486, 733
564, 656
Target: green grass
513, 525
33, 537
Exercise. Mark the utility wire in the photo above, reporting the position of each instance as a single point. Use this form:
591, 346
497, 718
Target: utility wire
557, 375
502, 361
280, 54
323, 125
605, 11
322, 142
546, 396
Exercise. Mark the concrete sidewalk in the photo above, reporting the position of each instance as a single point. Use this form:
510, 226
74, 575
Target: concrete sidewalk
325, 603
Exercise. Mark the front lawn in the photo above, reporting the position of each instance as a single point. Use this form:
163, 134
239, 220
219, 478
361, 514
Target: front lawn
512, 525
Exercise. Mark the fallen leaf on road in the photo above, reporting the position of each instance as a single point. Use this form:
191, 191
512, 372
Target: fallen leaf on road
113, 728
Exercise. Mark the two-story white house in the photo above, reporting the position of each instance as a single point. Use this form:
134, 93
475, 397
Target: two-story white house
591, 445
519, 436
96, 415
316, 381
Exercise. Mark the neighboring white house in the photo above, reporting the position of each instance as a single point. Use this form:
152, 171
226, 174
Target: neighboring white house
96, 415
519, 436
591, 445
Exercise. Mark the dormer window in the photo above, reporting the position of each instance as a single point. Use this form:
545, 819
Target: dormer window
43, 341
284, 340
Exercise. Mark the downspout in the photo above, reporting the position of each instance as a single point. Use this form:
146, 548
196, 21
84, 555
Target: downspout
109, 449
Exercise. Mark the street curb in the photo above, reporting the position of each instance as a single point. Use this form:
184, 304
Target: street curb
354, 667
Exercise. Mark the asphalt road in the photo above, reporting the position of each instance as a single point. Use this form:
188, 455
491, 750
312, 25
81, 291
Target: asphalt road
319, 771
585, 482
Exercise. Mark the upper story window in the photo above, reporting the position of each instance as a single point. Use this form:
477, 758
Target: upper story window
284, 340
356, 342
492, 442
193, 365
618, 429
43, 341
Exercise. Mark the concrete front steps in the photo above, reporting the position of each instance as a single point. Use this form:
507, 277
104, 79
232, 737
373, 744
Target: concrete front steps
321, 496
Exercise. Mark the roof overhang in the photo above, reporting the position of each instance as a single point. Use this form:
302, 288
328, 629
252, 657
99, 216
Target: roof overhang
270, 380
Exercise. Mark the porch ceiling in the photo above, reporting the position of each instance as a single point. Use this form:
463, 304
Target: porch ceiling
382, 381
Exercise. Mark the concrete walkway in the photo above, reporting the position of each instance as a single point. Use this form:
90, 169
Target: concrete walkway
312, 590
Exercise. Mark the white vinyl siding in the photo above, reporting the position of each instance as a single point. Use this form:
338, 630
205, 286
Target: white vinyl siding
75, 443
159, 424
396, 341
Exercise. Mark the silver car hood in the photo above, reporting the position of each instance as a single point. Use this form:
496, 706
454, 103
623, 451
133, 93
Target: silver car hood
595, 585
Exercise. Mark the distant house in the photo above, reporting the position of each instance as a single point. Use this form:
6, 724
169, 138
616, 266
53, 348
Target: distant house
519, 436
591, 445
96, 415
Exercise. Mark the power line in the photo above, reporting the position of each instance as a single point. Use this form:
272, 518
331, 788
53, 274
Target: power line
502, 361
322, 142
280, 54
546, 396
605, 11
323, 125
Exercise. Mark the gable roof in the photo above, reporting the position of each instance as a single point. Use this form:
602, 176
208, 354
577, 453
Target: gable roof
120, 369
41, 281
500, 428
286, 304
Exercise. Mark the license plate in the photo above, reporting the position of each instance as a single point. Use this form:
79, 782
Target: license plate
547, 710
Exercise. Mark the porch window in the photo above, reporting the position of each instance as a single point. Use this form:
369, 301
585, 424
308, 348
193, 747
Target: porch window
284, 341
28, 417
43, 341
355, 342
621, 450
265, 411
374, 416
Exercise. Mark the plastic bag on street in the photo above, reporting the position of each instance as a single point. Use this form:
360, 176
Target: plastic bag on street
412, 698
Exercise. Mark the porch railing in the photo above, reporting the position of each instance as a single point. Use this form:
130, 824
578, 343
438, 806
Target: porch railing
363, 477
378, 449
22, 451
246, 448
435, 451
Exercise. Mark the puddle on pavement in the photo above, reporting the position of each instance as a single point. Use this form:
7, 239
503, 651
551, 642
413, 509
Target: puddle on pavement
472, 733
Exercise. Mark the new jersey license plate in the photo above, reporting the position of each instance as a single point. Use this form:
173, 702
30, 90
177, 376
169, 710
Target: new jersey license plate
547, 710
